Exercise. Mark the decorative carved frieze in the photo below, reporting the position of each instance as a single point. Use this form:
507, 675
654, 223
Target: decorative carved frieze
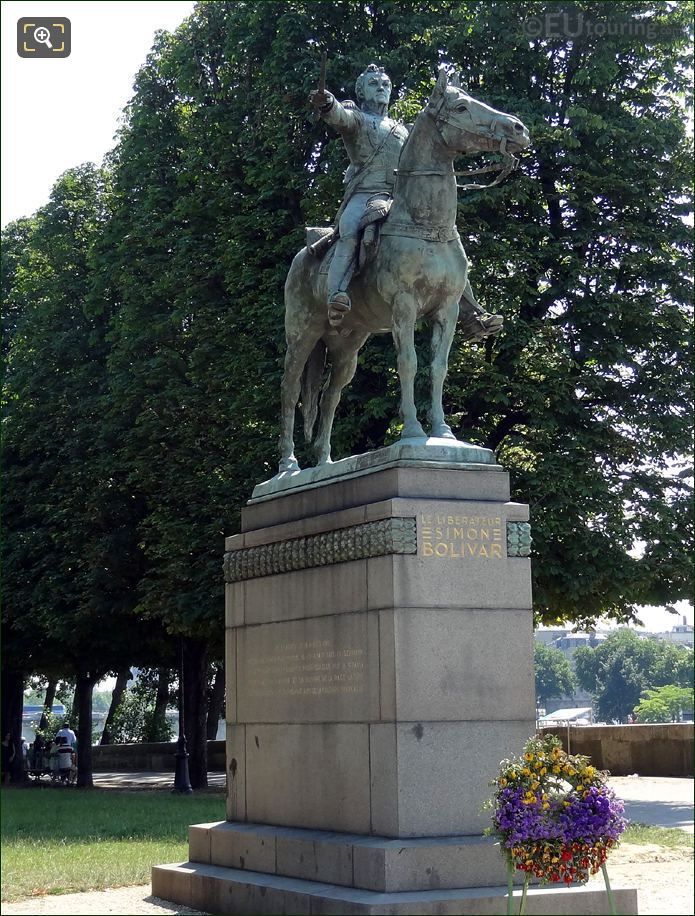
519, 539
359, 542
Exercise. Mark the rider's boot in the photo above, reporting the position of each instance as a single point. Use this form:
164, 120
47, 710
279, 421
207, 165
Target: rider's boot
476, 323
339, 275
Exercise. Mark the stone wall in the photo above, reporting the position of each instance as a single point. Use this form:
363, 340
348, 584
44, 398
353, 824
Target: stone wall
650, 750
155, 756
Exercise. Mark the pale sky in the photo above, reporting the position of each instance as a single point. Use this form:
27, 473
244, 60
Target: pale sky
59, 113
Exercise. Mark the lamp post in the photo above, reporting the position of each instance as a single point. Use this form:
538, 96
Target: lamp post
182, 781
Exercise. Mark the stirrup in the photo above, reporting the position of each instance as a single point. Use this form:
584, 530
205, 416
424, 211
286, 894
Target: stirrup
338, 305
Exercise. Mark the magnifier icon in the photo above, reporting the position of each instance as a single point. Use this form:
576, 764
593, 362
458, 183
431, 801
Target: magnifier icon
42, 36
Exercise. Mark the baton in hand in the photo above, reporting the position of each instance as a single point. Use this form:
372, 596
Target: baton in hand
319, 98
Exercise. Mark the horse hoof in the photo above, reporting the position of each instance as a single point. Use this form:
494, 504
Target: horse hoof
443, 432
413, 431
289, 464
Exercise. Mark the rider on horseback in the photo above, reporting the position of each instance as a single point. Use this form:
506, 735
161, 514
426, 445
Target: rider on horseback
373, 142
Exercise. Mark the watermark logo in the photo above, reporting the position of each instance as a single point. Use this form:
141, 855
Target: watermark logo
566, 24
43, 36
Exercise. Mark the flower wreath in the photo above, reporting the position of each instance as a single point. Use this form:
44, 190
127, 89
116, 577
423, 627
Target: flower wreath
554, 814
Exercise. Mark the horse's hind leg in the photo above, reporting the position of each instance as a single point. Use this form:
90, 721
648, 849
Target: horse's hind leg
443, 327
298, 350
343, 354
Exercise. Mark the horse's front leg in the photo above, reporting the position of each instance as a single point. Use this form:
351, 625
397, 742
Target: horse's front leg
443, 327
404, 315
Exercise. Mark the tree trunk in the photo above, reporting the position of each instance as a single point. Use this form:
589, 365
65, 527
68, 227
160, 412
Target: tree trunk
215, 703
161, 702
195, 689
119, 689
12, 705
84, 688
51, 688
74, 709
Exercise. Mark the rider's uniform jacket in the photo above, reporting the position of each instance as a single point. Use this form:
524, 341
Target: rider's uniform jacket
373, 143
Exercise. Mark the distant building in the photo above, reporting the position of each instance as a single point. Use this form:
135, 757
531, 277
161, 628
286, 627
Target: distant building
682, 635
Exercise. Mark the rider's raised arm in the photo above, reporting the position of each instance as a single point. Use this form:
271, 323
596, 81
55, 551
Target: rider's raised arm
340, 115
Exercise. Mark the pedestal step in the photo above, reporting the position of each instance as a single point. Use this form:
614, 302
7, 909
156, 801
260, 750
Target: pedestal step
214, 889
369, 863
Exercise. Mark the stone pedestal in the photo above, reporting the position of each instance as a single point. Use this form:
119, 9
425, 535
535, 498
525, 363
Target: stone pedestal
380, 665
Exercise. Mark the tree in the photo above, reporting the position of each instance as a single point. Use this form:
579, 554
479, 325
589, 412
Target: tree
554, 676
664, 704
119, 688
624, 665
66, 557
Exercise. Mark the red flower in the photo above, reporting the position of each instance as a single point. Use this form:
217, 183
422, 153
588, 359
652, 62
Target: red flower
566, 856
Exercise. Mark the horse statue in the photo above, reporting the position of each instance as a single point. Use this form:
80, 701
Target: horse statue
419, 270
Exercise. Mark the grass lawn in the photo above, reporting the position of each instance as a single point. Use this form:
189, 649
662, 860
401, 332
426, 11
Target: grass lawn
57, 840
643, 835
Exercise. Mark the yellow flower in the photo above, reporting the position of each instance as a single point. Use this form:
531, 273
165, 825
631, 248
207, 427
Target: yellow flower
526, 772
546, 805
544, 770
528, 757
503, 782
535, 784
557, 768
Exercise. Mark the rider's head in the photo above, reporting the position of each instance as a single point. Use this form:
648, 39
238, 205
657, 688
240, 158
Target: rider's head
373, 89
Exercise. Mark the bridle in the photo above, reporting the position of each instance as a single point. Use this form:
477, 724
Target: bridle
505, 168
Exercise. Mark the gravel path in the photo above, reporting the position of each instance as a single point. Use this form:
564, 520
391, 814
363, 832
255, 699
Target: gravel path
120, 901
663, 878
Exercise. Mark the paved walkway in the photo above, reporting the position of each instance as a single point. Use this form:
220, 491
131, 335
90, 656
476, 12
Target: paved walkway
660, 801
151, 780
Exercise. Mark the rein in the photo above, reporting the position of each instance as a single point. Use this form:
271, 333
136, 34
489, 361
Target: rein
505, 168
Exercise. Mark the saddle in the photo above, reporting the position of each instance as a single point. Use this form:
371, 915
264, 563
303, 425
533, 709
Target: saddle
319, 239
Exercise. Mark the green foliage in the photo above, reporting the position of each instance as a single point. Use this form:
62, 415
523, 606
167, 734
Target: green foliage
134, 720
53, 725
554, 675
621, 668
62, 842
664, 704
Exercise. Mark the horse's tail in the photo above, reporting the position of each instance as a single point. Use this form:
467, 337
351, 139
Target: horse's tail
312, 377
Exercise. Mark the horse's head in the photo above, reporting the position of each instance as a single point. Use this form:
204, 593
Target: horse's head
469, 126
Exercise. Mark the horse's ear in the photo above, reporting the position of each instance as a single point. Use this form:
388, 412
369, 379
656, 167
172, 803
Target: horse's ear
439, 86
458, 82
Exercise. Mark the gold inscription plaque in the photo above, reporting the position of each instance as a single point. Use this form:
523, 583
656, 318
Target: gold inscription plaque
307, 668
460, 537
